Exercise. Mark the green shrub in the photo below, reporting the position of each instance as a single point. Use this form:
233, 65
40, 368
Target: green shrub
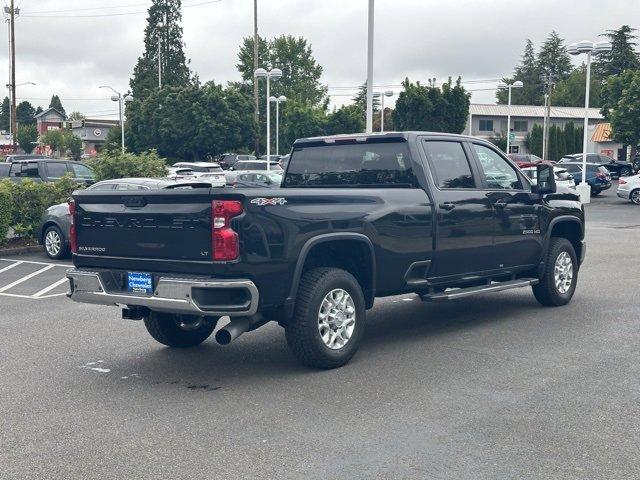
26, 201
119, 165
5, 211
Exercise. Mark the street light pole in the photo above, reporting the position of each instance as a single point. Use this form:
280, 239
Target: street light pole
370, 69
275, 74
517, 84
278, 101
118, 97
388, 93
591, 49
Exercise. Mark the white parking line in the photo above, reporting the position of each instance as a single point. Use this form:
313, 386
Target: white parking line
49, 288
11, 266
17, 262
25, 278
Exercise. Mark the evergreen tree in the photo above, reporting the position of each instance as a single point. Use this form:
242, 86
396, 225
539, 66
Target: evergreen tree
553, 143
622, 55
533, 140
569, 138
57, 104
553, 59
529, 74
25, 113
39, 110
361, 99
5, 114
163, 28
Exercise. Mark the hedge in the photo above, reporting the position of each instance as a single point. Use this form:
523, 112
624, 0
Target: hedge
127, 165
23, 203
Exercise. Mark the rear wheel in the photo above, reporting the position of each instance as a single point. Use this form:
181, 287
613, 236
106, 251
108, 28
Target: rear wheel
179, 331
558, 283
55, 245
625, 172
595, 192
635, 196
329, 318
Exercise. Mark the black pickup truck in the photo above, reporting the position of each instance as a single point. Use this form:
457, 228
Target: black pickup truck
357, 217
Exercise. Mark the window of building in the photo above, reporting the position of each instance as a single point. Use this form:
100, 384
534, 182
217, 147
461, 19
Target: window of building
486, 125
520, 126
498, 173
450, 165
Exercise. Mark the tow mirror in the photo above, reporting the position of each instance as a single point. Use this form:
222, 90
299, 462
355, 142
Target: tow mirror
546, 179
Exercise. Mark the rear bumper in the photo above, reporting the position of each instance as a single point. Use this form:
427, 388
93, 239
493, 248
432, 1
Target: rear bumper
212, 297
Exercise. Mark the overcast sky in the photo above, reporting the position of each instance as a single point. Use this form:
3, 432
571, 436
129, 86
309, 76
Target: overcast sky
74, 52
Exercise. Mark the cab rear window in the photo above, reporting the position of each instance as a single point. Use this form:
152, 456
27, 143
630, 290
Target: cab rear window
353, 164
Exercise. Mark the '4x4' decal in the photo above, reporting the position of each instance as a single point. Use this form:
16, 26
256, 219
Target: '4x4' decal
269, 201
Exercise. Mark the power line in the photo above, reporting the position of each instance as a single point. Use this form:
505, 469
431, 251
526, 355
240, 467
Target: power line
120, 14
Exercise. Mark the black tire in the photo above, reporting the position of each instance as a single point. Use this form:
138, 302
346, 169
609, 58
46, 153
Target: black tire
625, 172
595, 192
546, 291
634, 196
166, 329
62, 246
302, 331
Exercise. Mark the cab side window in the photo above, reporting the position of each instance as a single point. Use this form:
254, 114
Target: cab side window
497, 172
449, 164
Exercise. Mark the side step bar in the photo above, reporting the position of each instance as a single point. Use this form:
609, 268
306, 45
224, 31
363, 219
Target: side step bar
455, 293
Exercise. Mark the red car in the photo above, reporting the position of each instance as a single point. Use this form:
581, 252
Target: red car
528, 160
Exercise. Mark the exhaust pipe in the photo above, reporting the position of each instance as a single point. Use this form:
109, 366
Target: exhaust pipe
237, 326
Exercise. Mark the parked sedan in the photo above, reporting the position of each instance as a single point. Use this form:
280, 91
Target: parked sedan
55, 222
257, 180
598, 177
617, 168
629, 188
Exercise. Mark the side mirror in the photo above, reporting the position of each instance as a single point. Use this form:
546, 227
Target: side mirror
546, 179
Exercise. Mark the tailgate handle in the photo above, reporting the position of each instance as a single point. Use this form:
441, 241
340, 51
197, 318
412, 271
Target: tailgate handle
134, 201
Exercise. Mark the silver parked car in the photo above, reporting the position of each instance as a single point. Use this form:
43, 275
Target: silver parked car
629, 188
205, 171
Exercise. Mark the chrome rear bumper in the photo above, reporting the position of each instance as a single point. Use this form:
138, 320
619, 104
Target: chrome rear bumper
174, 295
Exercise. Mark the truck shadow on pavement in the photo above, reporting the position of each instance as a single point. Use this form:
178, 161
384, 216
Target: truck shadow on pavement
263, 355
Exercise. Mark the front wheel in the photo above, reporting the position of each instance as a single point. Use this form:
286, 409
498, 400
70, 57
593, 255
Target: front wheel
329, 318
558, 283
179, 331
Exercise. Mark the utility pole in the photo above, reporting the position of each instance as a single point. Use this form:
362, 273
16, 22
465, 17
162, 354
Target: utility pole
12, 14
369, 116
255, 67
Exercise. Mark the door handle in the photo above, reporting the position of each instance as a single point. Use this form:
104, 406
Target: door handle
500, 204
447, 206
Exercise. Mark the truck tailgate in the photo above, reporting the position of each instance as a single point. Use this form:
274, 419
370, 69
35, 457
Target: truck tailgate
156, 224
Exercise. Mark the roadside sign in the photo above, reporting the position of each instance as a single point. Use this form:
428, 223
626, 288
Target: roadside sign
512, 136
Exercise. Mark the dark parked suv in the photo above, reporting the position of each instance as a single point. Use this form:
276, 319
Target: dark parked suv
46, 170
228, 160
617, 168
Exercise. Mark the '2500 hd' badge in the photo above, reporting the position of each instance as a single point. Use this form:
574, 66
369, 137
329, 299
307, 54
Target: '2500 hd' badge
269, 201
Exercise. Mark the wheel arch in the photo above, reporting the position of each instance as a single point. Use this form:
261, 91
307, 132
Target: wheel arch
565, 226
323, 250
51, 223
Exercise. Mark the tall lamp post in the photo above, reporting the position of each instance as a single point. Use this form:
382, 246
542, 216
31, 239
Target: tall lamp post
118, 97
369, 114
591, 49
275, 74
517, 84
387, 93
278, 101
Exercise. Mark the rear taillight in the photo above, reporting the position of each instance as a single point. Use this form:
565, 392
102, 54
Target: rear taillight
622, 182
601, 175
73, 232
224, 240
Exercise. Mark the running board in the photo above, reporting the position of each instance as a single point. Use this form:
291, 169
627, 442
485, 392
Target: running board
454, 293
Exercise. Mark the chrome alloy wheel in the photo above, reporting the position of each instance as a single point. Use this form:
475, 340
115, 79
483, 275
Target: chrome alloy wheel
53, 243
563, 273
336, 318
635, 197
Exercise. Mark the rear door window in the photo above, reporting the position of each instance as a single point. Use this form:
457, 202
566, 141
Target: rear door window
449, 164
352, 164
56, 169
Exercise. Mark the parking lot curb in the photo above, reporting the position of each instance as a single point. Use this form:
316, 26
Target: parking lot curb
20, 250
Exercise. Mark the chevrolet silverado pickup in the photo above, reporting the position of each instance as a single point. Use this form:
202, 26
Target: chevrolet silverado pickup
357, 217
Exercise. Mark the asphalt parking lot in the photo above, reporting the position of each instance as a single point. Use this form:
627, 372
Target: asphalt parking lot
491, 387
